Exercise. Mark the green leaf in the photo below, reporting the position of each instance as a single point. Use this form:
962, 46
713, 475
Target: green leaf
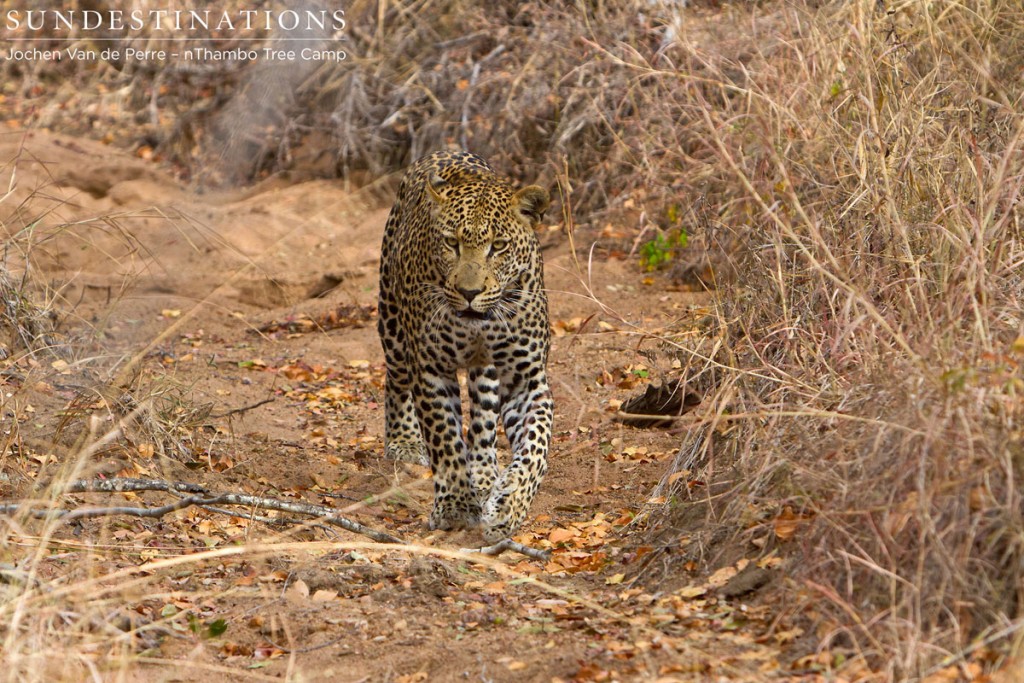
216, 628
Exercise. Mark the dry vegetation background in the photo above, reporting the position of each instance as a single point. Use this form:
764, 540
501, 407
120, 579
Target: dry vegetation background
854, 170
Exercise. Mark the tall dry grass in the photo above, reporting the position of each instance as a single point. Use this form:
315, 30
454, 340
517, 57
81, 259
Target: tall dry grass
871, 157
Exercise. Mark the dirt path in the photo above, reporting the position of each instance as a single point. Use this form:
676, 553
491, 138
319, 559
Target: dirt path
201, 304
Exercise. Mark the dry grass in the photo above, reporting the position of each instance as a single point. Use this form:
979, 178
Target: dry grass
873, 161
63, 614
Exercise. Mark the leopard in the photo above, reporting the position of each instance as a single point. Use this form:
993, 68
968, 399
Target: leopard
462, 289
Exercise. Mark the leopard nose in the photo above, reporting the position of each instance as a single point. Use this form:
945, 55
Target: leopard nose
469, 294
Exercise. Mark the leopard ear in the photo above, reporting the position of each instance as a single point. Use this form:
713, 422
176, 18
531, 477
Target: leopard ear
532, 201
434, 185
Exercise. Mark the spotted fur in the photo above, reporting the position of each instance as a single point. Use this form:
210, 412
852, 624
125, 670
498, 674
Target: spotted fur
462, 286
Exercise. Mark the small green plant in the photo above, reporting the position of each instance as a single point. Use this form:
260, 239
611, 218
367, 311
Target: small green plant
658, 252
211, 629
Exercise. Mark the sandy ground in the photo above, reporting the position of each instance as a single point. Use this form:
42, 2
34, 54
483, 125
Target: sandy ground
201, 307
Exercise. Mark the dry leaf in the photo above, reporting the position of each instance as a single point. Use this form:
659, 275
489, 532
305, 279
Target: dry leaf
412, 678
692, 591
786, 524
561, 535
298, 590
722, 576
324, 595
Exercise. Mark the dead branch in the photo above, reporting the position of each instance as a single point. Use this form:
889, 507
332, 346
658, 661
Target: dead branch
214, 502
85, 513
126, 484
116, 485
324, 514
508, 544
253, 517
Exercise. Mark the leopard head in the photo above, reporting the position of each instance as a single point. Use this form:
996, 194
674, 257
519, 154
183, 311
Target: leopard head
485, 245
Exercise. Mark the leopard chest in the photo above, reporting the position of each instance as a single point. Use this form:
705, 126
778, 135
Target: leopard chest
449, 343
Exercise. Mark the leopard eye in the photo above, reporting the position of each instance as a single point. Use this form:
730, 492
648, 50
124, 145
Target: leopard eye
452, 242
499, 246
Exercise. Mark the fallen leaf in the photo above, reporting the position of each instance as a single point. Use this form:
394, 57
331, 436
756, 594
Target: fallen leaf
692, 591
298, 590
561, 535
324, 595
786, 524
722, 576
412, 678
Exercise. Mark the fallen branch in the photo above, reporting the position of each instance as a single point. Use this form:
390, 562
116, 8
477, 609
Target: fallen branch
84, 513
324, 514
213, 502
311, 648
125, 484
508, 544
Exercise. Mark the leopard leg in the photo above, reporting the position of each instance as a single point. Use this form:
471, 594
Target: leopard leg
483, 429
440, 413
527, 412
402, 438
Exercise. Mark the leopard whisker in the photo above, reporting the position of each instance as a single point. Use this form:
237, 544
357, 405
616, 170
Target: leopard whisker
503, 314
433, 296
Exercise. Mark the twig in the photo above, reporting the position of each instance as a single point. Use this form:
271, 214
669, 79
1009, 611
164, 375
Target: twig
269, 521
11, 574
508, 544
311, 648
646, 417
252, 517
235, 411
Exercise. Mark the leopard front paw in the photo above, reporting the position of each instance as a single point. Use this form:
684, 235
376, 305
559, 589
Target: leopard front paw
503, 514
510, 500
451, 515
407, 451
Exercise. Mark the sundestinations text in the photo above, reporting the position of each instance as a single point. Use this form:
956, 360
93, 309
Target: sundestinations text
173, 20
